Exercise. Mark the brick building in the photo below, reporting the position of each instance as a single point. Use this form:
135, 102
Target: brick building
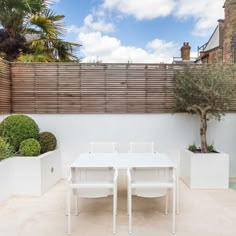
222, 44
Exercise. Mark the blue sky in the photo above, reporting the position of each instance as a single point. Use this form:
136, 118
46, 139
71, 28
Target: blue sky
138, 30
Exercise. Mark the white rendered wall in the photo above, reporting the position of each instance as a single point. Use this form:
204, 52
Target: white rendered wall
171, 132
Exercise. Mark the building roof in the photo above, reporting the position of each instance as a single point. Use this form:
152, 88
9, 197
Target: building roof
214, 40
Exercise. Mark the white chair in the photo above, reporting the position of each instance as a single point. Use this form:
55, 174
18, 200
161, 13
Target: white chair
150, 183
103, 147
92, 183
141, 147
174, 156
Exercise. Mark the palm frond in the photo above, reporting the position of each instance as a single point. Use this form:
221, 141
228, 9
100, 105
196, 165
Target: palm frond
32, 57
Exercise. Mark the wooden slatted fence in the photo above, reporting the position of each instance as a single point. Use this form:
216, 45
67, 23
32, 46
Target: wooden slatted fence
93, 88
5, 87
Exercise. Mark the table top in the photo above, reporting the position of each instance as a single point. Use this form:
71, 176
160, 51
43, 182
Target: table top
123, 160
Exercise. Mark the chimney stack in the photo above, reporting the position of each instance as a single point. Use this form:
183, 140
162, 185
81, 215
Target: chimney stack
185, 52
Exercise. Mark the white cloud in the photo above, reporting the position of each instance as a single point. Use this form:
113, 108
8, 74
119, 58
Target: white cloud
90, 25
55, 1
99, 25
110, 49
142, 9
206, 12
73, 29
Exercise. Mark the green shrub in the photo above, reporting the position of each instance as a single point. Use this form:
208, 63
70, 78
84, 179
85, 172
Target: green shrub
17, 128
47, 141
192, 148
30, 147
210, 148
5, 149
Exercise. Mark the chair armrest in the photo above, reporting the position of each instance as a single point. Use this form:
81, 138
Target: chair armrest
69, 176
115, 176
128, 175
174, 177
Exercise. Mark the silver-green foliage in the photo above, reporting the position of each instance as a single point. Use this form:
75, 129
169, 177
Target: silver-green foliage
206, 90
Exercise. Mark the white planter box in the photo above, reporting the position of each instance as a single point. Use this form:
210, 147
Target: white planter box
6, 179
31, 176
204, 170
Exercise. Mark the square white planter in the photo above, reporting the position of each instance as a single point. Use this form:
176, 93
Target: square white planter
204, 170
35, 175
30, 176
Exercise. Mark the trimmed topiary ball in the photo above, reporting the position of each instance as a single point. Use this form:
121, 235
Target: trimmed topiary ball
30, 147
17, 128
47, 141
5, 149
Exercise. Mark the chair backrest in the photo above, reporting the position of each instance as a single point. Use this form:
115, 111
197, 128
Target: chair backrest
161, 176
141, 147
103, 147
92, 182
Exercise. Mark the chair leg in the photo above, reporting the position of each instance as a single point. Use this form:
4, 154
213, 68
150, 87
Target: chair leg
68, 211
167, 200
76, 205
127, 197
177, 191
116, 201
114, 209
130, 209
174, 209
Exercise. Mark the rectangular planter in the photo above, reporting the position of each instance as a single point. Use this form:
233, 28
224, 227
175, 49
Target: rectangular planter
204, 170
6, 179
30, 176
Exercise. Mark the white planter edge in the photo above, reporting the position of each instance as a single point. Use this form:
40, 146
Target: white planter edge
30, 176
204, 170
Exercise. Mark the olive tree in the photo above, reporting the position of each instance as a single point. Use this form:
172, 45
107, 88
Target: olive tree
206, 90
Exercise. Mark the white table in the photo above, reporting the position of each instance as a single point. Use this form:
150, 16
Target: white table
123, 160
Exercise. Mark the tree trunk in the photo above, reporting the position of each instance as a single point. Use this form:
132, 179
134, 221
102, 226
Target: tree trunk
203, 130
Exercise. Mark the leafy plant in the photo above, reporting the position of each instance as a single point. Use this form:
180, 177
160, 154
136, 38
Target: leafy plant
31, 30
47, 141
30, 147
206, 91
17, 128
5, 149
210, 148
192, 148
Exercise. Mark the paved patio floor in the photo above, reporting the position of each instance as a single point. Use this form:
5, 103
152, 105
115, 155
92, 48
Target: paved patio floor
202, 213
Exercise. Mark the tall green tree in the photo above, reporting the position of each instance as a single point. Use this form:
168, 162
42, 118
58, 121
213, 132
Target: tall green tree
205, 90
31, 31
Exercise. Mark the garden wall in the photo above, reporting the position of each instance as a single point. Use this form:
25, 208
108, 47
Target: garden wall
5, 87
171, 132
81, 103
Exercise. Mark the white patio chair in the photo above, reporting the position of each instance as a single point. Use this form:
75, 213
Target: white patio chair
174, 156
150, 183
103, 147
141, 147
92, 183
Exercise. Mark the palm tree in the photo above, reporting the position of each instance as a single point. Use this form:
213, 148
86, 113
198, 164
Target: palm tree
31, 32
